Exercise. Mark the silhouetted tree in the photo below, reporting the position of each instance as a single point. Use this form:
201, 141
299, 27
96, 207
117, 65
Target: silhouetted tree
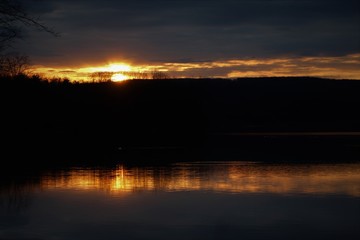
12, 16
138, 75
101, 76
159, 75
14, 65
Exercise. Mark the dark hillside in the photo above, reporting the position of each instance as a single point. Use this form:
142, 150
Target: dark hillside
57, 118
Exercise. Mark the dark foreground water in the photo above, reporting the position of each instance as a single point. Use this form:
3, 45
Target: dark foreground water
196, 200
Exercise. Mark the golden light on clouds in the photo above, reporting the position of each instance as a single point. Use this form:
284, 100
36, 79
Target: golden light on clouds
343, 67
113, 67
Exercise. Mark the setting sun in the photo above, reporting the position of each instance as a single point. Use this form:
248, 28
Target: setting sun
118, 77
116, 71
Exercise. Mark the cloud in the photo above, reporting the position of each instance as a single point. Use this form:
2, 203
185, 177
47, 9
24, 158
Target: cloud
94, 31
344, 67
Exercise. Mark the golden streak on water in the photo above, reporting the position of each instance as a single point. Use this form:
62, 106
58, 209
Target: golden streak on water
221, 177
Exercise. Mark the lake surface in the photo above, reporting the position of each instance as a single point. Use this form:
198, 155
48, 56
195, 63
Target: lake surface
184, 200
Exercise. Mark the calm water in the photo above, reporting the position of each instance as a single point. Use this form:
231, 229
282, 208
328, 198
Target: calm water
197, 200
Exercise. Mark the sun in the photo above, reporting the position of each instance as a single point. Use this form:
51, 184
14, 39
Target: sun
118, 77
118, 71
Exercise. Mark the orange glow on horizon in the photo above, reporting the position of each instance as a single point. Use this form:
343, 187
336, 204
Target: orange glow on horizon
344, 67
118, 69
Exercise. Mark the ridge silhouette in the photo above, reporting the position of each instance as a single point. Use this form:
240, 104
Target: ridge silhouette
55, 119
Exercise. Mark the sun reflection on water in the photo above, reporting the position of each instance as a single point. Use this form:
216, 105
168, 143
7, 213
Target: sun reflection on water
225, 178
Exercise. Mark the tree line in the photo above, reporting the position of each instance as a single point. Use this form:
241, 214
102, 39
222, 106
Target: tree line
105, 76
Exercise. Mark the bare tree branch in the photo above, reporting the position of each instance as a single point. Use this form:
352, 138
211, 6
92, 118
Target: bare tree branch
12, 16
14, 65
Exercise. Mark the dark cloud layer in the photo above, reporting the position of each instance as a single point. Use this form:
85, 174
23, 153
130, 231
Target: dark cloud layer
196, 30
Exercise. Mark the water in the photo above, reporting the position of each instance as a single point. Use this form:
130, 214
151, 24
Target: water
192, 200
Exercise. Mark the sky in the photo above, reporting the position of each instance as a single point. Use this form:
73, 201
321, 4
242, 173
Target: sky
198, 38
